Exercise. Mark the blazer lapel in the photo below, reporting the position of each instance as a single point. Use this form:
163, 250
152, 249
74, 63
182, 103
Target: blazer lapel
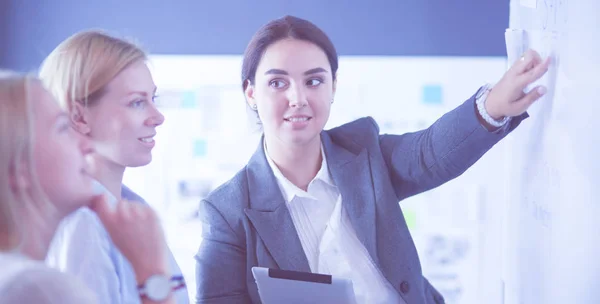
350, 169
270, 216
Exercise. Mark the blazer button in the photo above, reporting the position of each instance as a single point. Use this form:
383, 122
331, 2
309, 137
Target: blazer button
404, 287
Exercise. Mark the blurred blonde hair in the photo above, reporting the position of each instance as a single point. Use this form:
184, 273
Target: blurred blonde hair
80, 67
16, 155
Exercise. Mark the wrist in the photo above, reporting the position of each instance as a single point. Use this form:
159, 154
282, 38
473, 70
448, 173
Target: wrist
491, 111
486, 110
158, 288
143, 273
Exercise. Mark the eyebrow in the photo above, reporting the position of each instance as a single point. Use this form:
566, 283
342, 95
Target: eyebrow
282, 72
143, 93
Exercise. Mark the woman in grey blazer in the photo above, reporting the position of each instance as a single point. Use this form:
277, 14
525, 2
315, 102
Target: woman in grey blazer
326, 201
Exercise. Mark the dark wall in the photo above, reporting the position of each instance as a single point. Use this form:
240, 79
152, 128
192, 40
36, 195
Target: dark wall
4, 13
31, 29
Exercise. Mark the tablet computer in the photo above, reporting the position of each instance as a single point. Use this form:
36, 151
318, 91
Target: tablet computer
294, 287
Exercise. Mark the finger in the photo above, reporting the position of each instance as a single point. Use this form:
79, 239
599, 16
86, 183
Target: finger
101, 207
535, 73
532, 96
151, 214
137, 210
536, 59
529, 59
123, 210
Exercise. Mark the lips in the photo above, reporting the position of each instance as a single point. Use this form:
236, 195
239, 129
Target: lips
297, 118
147, 139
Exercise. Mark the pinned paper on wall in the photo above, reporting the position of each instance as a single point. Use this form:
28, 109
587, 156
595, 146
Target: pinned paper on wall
200, 149
514, 45
410, 216
432, 94
529, 3
188, 100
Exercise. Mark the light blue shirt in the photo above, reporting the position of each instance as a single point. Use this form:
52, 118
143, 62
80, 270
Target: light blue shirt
81, 246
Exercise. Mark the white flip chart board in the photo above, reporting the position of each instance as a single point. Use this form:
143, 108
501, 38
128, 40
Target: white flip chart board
552, 248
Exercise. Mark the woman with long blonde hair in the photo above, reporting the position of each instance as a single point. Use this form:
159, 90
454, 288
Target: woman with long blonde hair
44, 177
104, 84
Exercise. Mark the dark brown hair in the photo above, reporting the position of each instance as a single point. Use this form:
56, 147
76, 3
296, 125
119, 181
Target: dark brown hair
282, 28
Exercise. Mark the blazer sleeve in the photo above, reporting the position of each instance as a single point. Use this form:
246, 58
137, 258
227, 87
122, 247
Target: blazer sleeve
423, 160
220, 261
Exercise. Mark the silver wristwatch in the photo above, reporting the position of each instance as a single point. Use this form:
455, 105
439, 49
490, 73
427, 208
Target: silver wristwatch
480, 99
158, 287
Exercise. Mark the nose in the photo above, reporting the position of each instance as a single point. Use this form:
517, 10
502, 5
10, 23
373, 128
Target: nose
297, 97
156, 118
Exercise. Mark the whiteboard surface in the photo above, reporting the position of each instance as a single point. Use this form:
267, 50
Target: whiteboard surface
552, 219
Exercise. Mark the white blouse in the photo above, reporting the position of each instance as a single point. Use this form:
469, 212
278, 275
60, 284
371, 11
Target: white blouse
23, 280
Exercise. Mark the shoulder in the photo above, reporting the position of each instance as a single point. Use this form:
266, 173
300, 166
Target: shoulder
37, 283
363, 132
231, 195
82, 221
79, 237
130, 195
362, 125
224, 208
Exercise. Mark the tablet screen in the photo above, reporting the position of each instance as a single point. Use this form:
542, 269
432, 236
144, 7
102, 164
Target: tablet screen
285, 286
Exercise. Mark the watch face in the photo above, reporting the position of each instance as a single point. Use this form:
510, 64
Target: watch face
158, 287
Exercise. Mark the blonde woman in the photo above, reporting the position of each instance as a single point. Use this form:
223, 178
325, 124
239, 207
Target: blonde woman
104, 84
43, 178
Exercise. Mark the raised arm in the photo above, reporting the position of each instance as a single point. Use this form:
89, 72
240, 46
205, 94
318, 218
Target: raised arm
423, 160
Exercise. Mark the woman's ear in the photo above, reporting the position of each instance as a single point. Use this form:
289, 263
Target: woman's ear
249, 93
334, 87
18, 177
80, 118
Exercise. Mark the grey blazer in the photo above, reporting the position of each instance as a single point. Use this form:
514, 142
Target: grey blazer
248, 224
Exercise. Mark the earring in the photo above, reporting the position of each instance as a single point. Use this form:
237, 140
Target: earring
254, 107
331, 100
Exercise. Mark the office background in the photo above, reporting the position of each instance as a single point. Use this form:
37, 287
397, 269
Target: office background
403, 62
